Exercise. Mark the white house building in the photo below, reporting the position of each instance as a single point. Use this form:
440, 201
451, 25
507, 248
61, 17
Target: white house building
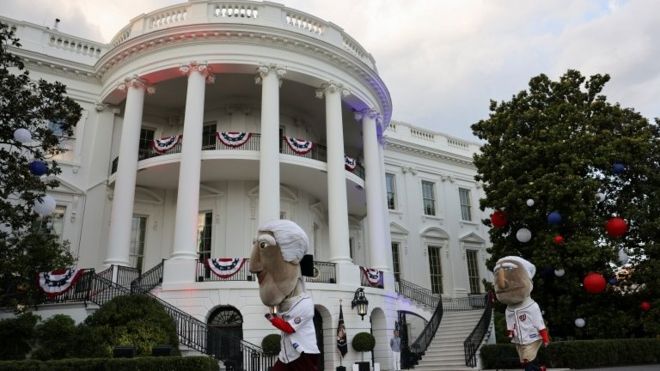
205, 119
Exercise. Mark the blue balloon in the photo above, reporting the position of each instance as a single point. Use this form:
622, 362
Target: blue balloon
554, 218
38, 167
618, 168
613, 281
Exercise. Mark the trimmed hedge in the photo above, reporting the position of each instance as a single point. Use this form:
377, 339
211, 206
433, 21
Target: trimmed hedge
115, 364
578, 354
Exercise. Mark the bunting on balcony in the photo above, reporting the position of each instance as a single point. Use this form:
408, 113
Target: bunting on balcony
225, 267
299, 146
374, 276
56, 282
233, 139
165, 144
349, 163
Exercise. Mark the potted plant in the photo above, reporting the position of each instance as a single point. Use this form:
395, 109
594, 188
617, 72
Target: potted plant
271, 345
363, 342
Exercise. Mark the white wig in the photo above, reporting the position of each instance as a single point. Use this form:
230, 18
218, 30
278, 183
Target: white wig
291, 239
526, 265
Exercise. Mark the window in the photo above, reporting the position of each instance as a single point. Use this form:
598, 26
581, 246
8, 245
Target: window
473, 272
204, 229
435, 269
56, 128
396, 267
138, 232
146, 139
466, 213
55, 222
208, 136
428, 195
391, 191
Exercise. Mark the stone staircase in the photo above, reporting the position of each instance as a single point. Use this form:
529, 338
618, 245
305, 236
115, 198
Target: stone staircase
446, 353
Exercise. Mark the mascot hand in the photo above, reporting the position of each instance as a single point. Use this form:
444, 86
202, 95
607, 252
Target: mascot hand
280, 323
545, 336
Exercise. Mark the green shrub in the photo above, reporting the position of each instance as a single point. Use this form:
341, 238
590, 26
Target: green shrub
578, 354
363, 342
55, 338
17, 336
115, 364
136, 320
271, 344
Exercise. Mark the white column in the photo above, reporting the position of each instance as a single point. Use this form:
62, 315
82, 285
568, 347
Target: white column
187, 204
269, 157
337, 199
386, 212
378, 250
124, 193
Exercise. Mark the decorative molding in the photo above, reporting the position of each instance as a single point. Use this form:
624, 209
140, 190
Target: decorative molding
137, 82
370, 113
263, 71
331, 87
429, 153
203, 68
100, 106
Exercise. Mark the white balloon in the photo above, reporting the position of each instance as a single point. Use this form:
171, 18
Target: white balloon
560, 272
600, 197
623, 257
22, 135
46, 206
524, 235
530, 202
580, 322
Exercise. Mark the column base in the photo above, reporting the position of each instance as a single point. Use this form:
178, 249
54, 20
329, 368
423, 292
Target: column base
179, 271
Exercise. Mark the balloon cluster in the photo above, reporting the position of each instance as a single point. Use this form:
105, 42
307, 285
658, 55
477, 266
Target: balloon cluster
44, 205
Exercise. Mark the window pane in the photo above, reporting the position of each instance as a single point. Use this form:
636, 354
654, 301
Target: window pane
208, 136
435, 269
204, 229
473, 272
466, 213
428, 195
146, 138
395, 261
138, 232
55, 222
391, 195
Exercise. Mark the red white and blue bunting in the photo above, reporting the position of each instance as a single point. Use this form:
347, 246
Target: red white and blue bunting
374, 276
233, 138
225, 267
349, 163
56, 282
165, 144
299, 146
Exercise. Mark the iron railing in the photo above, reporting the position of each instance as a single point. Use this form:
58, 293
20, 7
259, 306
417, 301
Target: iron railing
148, 280
473, 341
471, 302
125, 275
417, 293
324, 272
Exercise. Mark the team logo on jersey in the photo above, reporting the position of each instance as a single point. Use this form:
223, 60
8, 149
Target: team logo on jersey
297, 320
522, 317
295, 345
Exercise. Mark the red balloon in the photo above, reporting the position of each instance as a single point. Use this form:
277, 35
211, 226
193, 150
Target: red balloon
616, 227
645, 306
594, 283
498, 218
558, 239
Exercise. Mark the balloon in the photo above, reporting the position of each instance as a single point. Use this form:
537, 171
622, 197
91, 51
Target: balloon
523, 235
623, 257
594, 283
613, 281
558, 239
618, 168
22, 135
616, 227
645, 306
530, 202
46, 206
580, 322
38, 167
498, 218
559, 272
600, 197
554, 218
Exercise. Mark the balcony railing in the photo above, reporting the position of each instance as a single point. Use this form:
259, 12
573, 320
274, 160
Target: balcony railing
324, 272
417, 293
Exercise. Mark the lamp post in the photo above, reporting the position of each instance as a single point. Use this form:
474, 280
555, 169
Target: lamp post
360, 301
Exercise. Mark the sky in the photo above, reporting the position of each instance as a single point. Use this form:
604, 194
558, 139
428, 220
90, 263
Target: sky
444, 60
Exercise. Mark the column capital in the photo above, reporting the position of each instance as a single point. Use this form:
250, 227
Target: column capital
331, 87
370, 113
263, 71
135, 81
203, 68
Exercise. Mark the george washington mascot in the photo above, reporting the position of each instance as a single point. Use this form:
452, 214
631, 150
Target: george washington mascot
279, 260
524, 321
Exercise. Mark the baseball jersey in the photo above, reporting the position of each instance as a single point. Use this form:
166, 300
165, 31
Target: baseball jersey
524, 321
301, 317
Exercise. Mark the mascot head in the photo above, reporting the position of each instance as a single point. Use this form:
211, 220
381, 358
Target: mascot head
275, 259
513, 279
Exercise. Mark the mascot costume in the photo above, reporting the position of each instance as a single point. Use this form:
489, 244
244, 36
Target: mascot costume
279, 260
524, 321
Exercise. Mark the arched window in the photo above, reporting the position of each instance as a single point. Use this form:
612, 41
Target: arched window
224, 335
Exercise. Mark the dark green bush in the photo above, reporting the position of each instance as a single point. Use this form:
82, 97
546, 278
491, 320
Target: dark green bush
135, 320
56, 337
271, 344
115, 364
17, 336
578, 354
363, 342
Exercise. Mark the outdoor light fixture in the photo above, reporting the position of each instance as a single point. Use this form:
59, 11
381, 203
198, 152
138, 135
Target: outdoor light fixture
360, 301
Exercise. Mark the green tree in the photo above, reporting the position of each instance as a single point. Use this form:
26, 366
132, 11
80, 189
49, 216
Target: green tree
556, 144
26, 247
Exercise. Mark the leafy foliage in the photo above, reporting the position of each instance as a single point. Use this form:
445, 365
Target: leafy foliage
271, 344
38, 106
56, 337
17, 335
199, 363
556, 143
363, 342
